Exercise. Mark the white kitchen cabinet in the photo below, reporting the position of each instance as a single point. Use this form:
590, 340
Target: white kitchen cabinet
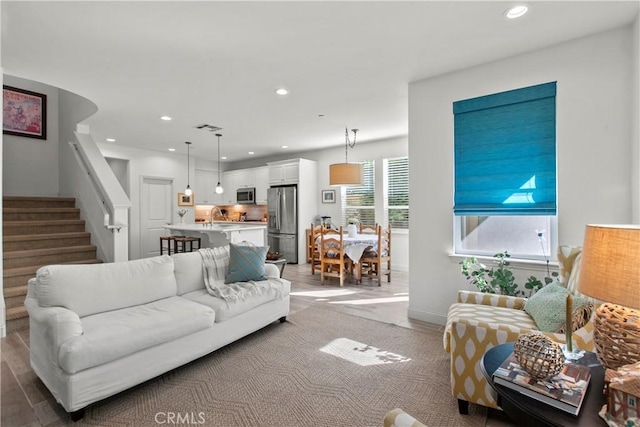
205, 187
230, 185
245, 178
262, 184
286, 172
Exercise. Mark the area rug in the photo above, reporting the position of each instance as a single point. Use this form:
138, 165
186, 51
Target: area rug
320, 368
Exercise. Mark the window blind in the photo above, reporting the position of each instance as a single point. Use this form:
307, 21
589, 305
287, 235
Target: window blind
397, 194
505, 153
359, 201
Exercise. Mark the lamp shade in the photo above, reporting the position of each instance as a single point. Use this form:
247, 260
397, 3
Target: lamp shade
610, 266
346, 174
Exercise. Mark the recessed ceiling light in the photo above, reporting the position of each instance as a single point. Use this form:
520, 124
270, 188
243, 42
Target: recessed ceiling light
282, 91
224, 157
165, 118
172, 149
284, 146
251, 153
111, 140
516, 11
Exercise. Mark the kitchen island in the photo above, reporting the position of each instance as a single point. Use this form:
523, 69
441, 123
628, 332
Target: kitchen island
221, 233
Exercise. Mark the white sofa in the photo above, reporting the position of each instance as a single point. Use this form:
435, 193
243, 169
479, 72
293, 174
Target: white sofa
96, 330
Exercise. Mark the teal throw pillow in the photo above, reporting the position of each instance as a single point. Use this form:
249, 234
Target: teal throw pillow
246, 263
548, 307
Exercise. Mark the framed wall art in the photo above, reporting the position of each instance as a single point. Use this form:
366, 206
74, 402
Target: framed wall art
184, 200
328, 196
24, 113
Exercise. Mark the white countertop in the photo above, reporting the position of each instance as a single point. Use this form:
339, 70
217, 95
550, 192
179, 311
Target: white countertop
217, 226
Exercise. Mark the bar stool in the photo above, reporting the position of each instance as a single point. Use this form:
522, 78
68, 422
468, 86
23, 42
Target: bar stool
180, 243
169, 247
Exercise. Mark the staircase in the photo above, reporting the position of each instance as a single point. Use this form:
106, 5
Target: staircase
38, 231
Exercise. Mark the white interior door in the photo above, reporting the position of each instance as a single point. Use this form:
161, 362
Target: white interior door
156, 207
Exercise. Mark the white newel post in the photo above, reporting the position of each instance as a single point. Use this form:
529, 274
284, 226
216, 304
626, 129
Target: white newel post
120, 235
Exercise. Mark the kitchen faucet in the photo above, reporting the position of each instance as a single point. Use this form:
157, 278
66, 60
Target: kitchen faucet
211, 214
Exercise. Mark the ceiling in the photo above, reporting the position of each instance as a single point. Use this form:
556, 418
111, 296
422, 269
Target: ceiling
219, 63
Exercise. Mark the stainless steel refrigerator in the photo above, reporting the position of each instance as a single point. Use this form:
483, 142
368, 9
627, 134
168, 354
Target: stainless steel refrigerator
283, 222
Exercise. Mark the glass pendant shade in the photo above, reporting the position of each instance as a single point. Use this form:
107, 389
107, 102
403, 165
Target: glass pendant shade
188, 192
219, 189
346, 174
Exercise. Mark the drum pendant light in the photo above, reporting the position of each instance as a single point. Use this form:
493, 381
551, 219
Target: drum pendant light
347, 174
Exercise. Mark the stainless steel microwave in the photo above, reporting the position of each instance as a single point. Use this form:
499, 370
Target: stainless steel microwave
246, 196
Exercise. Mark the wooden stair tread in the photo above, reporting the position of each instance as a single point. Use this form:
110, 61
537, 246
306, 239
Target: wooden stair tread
16, 313
38, 199
32, 237
36, 222
39, 210
48, 251
15, 291
21, 271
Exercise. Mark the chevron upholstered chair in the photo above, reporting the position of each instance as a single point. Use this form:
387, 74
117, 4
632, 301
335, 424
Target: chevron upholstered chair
479, 321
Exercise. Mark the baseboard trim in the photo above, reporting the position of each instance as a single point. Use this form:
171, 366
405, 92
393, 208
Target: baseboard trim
425, 316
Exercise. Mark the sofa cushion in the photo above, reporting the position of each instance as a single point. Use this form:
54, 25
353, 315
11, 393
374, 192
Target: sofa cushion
272, 289
547, 307
486, 314
188, 271
95, 288
246, 263
115, 334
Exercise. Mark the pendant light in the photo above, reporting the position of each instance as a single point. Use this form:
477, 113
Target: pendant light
347, 174
219, 189
187, 191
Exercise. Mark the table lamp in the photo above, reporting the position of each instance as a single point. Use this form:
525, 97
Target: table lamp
610, 272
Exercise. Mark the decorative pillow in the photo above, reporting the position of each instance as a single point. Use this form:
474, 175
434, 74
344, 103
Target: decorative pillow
547, 307
246, 263
567, 260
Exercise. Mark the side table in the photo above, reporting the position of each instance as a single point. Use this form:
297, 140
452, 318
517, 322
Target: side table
525, 411
280, 263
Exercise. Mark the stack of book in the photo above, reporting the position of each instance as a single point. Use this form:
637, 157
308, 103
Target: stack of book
564, 391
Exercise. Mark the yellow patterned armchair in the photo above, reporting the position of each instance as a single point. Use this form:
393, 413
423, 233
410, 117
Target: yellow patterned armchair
479, 321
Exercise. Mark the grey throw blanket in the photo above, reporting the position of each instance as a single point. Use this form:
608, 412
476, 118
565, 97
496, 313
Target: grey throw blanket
215, 263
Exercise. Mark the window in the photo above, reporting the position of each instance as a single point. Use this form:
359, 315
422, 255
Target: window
505, 172
359, 202
396, 192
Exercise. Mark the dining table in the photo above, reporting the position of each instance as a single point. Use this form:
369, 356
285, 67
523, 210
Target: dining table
354, 247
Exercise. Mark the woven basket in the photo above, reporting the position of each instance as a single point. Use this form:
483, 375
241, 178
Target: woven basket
540, 356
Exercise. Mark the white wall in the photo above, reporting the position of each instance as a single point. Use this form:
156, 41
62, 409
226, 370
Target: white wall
595, 121
156, 164
29, 165
375, 150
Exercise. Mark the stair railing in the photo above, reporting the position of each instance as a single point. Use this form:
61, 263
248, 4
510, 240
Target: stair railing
102, 200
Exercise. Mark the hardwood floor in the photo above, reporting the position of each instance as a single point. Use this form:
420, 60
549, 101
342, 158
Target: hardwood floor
25, 401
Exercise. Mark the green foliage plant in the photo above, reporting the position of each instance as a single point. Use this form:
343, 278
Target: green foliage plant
500, 279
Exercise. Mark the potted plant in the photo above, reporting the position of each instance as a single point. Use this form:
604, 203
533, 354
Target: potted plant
500, 278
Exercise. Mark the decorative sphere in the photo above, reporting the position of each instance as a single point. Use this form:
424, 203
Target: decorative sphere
539, 355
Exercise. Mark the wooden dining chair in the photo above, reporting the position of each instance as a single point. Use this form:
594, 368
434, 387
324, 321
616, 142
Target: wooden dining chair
314, 252
332, 257
376, 262
368, 228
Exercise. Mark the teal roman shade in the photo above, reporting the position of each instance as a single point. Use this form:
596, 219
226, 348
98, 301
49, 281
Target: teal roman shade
505, 153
